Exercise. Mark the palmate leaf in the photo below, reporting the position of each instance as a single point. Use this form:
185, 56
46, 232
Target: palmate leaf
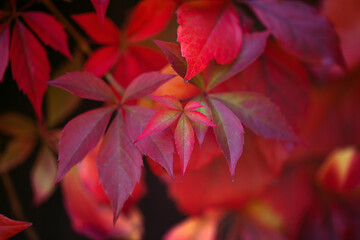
102, 60
9, 227
258, 113
208, 30
29, 64
229, 133
159, 146
100, 7
49, 30
169, 101
80, 136
200, 129
300, 29
119, 164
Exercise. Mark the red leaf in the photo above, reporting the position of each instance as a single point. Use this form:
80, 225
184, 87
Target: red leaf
136, 60
29, 64
300, 29
119, 165
253, 46
100, 7
173, 54
191, 105
102, 60
258, 113
149, 18
144, 85
104, 34
169, 101
85, 85
198, 117
208, 30
159, 146
160, 121
9, 227
184, 140
49, 30
4, 48
80, 136
229, 133
201, 129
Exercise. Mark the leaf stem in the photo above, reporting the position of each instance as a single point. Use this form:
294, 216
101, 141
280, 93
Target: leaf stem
16, 206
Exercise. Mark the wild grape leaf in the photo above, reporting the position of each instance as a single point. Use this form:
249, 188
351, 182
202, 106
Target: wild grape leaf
4, 48
49, 30
42, 175
100, 7
258, 113
80, 136
144, 85
169, 101
184, 141
29, 64
300, 29
252, 47
280, 77
135, 61
119, 164
85, 85
107, 33
160, 121
149, 18
102, 60
9, 227
159, 146
229, 133
201, 129
208, 30
173, 54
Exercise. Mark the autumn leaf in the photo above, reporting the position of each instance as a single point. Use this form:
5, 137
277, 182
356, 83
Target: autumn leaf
301, 30
80, 136
9, 227
49, 30
119, 164
258, 113
100, 7
4, 48
29, 64
208, 30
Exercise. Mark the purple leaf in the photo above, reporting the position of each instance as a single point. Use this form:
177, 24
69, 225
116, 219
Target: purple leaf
258, 113
229, 133
85, 85
253, 46
169, 101
4, 48
300, 29
145, 84
80, 136
159, 146
119, 164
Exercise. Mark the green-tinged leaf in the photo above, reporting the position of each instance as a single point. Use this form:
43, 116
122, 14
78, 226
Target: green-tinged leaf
201, 129
229, 133
43, 175
184, 140
258, 113
253, 46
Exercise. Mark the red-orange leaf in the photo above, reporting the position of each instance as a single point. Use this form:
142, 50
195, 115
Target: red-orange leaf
160, 121
9, 227
49, 30
208, 30
184, 140
4, 48
102, 60
198, 117
29, 64
149, 18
